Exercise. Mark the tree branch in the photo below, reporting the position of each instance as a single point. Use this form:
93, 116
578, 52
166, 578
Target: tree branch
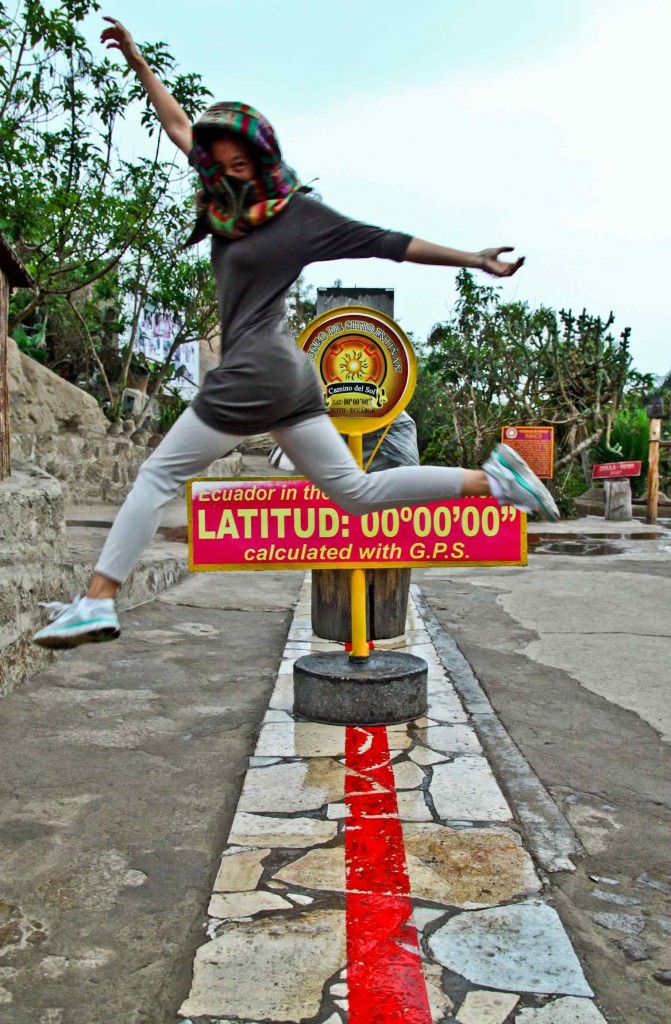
90, 342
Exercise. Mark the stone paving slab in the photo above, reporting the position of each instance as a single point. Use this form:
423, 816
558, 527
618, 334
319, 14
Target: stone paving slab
490, 947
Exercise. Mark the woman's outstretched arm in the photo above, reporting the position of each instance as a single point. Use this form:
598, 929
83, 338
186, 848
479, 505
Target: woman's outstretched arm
438, 256
175, 122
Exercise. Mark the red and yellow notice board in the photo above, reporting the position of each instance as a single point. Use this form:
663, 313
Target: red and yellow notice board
536, 445
366, 365
288, 523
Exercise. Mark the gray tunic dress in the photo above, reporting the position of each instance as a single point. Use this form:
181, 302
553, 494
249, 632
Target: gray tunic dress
264, 380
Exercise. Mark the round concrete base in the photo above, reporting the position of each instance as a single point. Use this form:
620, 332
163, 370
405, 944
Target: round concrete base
388, 687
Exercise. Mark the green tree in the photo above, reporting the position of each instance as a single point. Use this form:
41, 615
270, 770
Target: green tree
495, 363
82, 215
301, 306
170, 279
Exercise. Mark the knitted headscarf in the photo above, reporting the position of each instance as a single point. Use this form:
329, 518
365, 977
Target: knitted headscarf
232, 209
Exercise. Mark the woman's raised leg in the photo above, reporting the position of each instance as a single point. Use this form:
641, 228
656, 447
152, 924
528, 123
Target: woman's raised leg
318, 451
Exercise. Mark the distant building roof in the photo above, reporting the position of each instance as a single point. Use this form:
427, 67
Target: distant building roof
12, 266
336, 296
353, 292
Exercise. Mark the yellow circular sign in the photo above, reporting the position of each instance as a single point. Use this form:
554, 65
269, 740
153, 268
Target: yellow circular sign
365, 363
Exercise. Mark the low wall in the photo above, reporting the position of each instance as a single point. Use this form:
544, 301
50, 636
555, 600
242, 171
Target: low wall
36, 565
593, 503
22, 587
35, 562
32, 517
98, 468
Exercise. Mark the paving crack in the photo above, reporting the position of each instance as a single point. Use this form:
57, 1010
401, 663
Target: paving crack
225, 608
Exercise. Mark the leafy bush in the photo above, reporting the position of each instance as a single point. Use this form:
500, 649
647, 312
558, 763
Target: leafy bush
628, 439
31, 342
495, 363
171, 405
628, 442
99, 227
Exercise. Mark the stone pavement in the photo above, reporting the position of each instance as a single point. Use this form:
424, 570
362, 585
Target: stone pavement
574, 653
122, 767
464, 932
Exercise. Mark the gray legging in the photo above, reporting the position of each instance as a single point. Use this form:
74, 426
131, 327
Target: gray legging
315, 448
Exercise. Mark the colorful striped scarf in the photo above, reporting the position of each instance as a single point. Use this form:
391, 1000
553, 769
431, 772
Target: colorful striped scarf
234, 209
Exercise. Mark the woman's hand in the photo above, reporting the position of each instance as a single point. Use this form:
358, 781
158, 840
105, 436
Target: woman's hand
419, 251
491, 264
177, 125
119, 38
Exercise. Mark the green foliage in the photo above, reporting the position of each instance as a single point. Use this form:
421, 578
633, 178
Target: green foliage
301, 306
172, 405
569, 483
430, 410
96, 229
495, 363
628, 440
31, 342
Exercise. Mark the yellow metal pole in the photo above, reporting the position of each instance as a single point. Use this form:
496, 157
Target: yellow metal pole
358, 581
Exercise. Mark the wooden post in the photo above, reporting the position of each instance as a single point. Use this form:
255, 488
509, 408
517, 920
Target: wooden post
618, 500
387, 598
5, 462
653, 469
12, 275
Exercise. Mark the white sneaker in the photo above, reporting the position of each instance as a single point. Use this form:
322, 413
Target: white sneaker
519, 485
84, 621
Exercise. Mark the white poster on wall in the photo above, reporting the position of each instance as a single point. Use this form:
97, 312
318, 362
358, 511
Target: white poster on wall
154, 337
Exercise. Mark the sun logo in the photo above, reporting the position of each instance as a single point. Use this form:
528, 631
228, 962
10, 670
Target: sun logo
353, 365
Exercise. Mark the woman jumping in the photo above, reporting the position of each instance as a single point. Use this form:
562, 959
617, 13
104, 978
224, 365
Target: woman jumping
264, 230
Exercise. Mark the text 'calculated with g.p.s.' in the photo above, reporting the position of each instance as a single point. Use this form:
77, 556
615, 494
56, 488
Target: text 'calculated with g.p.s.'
291, 524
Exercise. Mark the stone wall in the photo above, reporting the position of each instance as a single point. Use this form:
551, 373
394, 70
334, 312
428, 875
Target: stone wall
89, 469
257, 444
593, 503
96, 469
32, 517
61, 430
5, 460
41, 402
62, 454
36, 565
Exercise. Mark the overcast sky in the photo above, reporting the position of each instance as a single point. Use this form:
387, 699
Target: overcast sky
471, 123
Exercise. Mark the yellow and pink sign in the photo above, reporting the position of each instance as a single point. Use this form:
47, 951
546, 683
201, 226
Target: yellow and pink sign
289, 523
366, 365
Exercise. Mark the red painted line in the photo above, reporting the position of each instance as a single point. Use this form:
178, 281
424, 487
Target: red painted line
384, 968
